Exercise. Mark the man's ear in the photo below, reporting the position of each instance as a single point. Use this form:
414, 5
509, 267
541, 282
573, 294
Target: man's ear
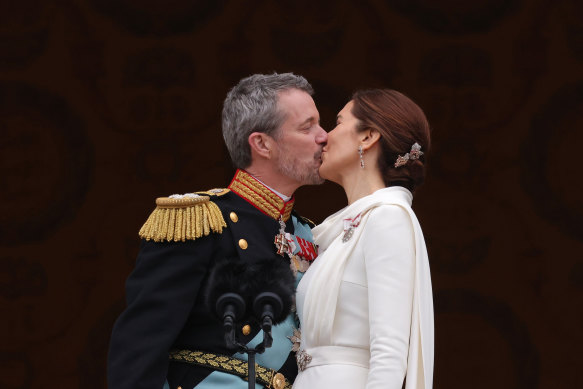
369, 138
261, 144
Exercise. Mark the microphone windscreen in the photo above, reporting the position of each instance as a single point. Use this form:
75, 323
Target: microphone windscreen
249, 279
225, 277
271, 275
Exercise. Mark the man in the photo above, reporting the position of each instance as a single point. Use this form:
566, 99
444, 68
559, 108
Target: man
168, 334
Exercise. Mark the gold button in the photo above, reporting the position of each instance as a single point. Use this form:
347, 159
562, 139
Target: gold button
278, 381
234, 217
246, 330
243, 244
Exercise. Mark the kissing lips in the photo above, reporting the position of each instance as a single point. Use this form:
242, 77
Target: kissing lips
318, 157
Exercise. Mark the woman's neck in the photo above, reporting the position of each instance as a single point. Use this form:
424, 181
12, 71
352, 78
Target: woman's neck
361, 183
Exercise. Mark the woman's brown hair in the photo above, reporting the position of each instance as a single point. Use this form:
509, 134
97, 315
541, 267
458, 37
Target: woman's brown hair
401, 124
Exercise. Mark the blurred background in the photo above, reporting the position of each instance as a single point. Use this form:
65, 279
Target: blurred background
107, 104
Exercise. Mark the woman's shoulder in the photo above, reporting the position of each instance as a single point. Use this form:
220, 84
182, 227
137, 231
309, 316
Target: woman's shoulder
389, 217
384, 212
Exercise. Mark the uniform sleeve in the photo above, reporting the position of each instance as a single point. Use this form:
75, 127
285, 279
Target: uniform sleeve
160, 294
389, 254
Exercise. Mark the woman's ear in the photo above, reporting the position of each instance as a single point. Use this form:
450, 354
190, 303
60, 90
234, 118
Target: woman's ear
369, 137
261, 144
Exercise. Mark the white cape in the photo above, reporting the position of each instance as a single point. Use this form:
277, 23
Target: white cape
319, 312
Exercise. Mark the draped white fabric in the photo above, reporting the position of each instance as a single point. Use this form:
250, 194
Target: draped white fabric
324, 279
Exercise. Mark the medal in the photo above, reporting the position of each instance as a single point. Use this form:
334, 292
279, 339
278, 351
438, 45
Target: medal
297, 264
349, 226
281, 243
293, 245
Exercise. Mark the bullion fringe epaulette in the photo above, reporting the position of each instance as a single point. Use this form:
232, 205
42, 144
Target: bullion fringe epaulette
179, 218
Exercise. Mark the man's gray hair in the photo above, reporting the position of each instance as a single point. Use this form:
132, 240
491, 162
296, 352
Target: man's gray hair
251, 106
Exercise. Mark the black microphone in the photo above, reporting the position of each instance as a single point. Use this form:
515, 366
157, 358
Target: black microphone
272, 291
261, 290
267, 306
225, 296
231, 307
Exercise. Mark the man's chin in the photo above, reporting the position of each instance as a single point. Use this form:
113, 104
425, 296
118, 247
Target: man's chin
315, 179
320, 181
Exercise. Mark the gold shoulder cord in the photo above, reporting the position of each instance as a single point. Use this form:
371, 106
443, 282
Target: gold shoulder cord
308, 221
181, 218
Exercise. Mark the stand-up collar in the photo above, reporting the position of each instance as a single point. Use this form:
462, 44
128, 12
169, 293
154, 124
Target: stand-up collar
260, 196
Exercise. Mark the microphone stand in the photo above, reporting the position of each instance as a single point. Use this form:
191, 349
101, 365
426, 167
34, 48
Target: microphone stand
251, 352
268, 308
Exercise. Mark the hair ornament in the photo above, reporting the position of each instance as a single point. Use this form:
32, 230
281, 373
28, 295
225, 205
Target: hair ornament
415, 153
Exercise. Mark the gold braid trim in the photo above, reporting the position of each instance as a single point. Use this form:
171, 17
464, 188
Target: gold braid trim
253, 191
181, 219
252, 183
267, 377
288, 210
256, 199
308, 221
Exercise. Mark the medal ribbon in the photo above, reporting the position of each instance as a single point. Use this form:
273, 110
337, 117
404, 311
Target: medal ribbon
351, 223
303, 248
291, 244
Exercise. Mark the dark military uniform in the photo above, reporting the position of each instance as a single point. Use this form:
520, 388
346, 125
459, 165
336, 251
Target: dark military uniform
166, 311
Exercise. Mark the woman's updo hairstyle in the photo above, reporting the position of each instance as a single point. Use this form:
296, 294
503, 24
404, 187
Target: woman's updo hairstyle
401, 123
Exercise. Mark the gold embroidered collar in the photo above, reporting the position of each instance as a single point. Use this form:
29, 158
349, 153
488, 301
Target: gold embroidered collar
260, 196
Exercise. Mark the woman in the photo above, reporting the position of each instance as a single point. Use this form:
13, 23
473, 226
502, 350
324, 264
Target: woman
365, 305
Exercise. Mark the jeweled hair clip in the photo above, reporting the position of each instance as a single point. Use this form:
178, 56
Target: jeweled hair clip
415, 153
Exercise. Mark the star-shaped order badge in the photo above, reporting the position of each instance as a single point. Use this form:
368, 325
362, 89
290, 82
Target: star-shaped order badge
298, 265
296, 339
303, 359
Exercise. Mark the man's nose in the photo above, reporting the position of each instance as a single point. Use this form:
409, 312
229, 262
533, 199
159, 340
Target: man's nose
322, 136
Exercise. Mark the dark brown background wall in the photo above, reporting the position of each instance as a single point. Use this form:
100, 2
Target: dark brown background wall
107, 104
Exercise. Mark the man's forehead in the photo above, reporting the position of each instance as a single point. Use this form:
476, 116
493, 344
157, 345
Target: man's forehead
293, 94
298, 104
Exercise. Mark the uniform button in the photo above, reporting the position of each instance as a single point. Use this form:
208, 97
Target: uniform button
246, 330
234, 217
243, 244
278, 381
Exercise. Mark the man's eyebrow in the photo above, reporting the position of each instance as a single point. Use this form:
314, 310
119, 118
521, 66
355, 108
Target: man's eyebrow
308, 120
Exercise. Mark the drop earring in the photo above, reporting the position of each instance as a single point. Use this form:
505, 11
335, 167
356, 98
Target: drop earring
360, 153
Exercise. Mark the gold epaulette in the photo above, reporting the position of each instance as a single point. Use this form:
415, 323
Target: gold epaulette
183, 217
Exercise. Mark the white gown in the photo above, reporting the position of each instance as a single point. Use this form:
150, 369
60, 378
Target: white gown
365, 304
